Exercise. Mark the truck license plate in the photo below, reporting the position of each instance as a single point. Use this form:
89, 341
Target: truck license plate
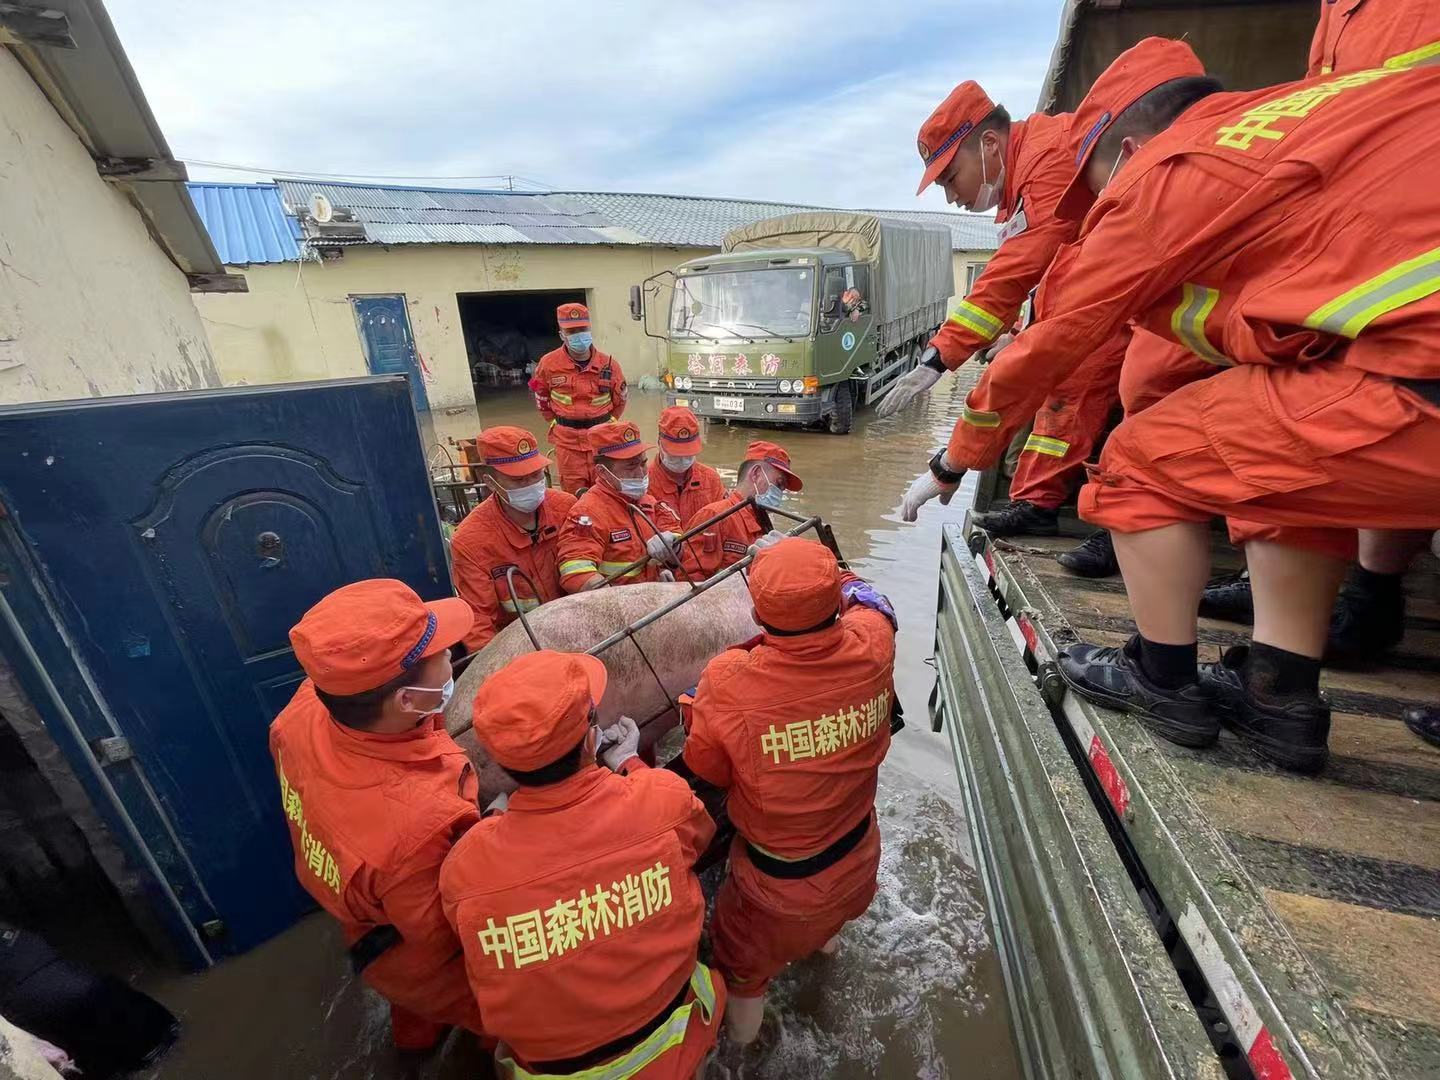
730, 404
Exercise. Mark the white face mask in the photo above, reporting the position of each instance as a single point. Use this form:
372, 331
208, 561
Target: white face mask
987, 195
676, 465
446, 692
526, 499
632, 487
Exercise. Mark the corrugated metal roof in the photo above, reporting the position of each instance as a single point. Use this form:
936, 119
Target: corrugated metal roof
247, 223
408, 215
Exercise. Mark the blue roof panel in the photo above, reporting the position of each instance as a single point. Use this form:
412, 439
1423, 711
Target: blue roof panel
247, 223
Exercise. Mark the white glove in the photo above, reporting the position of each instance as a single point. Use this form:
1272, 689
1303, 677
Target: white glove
907, 388
924, 488
667, 576
991, 351
774, 536
623, 738
661, 548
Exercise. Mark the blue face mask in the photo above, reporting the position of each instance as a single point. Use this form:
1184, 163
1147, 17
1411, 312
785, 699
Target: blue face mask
772, 497
579, 343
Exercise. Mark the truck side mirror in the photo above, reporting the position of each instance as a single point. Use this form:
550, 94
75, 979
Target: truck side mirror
637, 304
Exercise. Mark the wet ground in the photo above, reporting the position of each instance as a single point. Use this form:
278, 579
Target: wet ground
916, 990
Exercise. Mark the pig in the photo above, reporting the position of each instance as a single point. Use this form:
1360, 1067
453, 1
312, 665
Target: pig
679, 645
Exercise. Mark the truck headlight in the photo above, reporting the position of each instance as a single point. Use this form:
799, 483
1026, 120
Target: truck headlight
784, 386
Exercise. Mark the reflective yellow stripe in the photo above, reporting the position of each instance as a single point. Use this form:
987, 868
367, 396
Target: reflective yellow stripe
667, 1036
1414, 56
552, 421
978, 319
1043, 444
608, 568
577, 566
1349, 313
563, 399
527, 603
1188, 323
977, 418
601, 401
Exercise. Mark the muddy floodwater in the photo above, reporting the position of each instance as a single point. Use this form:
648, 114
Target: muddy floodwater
916, 989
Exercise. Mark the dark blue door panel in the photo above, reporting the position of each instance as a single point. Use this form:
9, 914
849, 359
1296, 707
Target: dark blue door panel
389, 345
177, 539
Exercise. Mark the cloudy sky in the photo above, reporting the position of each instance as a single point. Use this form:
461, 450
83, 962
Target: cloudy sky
776, 99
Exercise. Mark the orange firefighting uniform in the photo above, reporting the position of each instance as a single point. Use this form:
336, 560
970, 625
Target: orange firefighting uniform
580, 915
372, 817
574, 399
1260, 231
684, 495
723, 543
604, 531
487, 543
1356, 34
795, 729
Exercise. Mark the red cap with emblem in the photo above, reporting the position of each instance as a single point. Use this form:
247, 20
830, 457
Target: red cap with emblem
618, 439
946, 128
679, 431
364, 634
511, 450
537, 707
795, 584
1134, 73
572, 316
773, 454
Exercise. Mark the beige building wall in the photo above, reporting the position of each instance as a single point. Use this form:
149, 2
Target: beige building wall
297, 321
89, 305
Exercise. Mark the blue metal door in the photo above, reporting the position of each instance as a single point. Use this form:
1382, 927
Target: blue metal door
389, 346
155, 552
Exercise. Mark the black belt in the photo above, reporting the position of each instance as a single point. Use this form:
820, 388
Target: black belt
803, 868
565, 421
1429, 389
370, 945
615, 1047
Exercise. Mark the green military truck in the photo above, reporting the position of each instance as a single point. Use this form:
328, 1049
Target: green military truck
800, 319
1164, 912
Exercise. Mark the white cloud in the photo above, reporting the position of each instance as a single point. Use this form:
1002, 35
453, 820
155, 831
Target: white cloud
763, 98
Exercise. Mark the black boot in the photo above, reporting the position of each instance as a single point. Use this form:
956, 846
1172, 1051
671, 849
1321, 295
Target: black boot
1020, 519
1095, 558
1229, 598
1424, 720
1291, 731
1113, 677
1369, 618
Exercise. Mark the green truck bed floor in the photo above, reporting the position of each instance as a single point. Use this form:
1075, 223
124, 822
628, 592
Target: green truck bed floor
1310, 904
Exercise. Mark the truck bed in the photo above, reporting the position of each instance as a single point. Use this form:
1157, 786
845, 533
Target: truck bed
1298, 915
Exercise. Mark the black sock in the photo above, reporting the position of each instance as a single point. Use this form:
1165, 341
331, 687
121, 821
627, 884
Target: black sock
1380, 586
1167, 666
1272, 672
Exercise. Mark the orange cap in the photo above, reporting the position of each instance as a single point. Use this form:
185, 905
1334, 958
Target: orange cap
679, 431
511, 450
773, 454
1134, 73
572, 316
618, 439
945, 128
365, 634
537, 707
795, 584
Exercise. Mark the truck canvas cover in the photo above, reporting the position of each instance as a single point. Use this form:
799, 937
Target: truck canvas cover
911, 258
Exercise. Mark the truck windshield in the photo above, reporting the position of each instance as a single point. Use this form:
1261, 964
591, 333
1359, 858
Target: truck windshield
743, 304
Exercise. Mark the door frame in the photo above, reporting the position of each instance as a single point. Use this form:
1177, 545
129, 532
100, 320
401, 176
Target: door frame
416, 370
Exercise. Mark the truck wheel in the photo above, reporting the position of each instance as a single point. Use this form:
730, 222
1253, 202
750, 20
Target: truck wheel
842, 410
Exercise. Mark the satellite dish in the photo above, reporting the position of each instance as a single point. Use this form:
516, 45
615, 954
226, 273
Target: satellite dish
320, 208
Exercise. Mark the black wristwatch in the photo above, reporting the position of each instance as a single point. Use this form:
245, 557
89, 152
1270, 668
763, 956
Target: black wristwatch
944, 475
931, 359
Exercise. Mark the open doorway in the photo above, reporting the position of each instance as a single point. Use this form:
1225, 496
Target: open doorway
506, 333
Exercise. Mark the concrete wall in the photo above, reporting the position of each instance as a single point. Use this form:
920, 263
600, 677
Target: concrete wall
89, 305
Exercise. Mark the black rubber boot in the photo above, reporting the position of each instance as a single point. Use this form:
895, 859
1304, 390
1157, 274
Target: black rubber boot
1095, 558
1112, 677
1290, 732
1424, 720
1229, 598
1020, 519
1367, 621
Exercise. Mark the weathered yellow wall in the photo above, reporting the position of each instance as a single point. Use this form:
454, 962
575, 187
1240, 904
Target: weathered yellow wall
89, 305
297, 322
